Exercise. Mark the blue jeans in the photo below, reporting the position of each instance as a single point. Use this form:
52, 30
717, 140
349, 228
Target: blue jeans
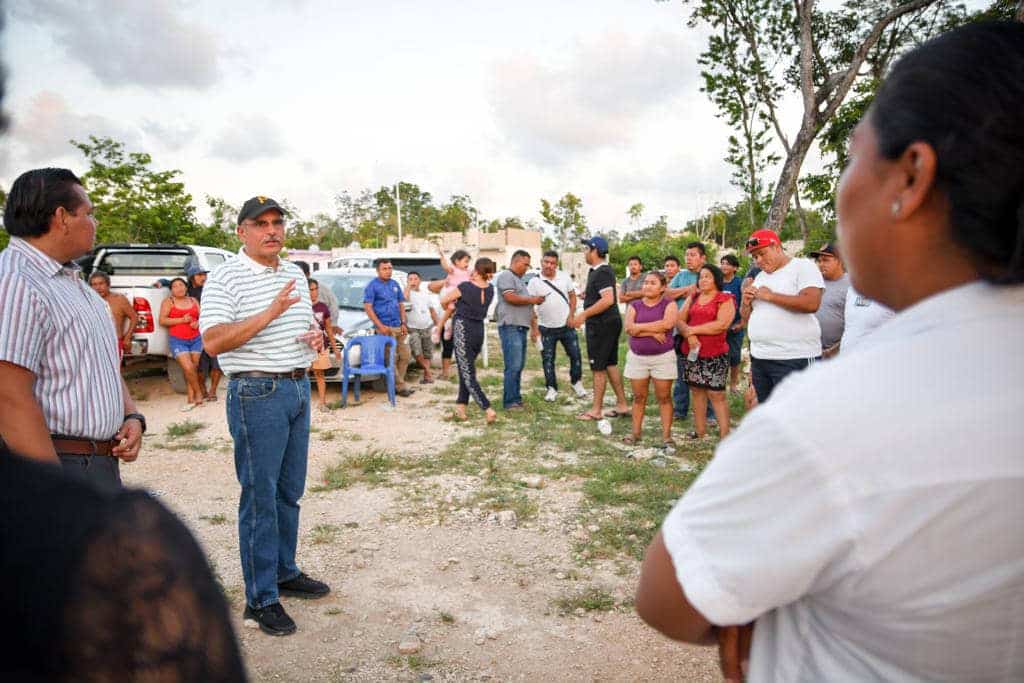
513, 348
549, 337
681, 390
269, 422
767, 374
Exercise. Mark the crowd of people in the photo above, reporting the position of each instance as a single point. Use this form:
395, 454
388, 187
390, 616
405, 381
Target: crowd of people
862, 524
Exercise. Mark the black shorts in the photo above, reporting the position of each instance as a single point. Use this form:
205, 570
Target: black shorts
447, 347
207, 363
603, 343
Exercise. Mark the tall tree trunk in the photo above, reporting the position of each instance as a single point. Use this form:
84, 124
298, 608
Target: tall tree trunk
1020, 11
786, 186
821, 104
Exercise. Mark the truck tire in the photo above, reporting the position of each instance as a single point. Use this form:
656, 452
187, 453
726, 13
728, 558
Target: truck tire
176, 376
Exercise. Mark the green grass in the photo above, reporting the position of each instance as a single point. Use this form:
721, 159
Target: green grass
592, 599
447, 618
371, 468
324, 533
177, 429
415, 662
327, 436
214, 519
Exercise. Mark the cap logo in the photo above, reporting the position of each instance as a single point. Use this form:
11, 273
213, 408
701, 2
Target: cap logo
262, 200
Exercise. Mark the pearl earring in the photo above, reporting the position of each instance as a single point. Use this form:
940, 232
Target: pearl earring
897, 206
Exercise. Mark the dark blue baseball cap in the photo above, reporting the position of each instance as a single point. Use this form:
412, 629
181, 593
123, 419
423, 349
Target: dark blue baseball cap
597, 242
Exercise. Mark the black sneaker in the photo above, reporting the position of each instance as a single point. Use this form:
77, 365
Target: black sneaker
303, 587
271, 619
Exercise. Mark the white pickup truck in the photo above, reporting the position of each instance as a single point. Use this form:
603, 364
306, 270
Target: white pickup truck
133, 269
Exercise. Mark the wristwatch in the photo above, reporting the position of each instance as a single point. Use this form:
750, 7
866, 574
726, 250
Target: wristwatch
137, 416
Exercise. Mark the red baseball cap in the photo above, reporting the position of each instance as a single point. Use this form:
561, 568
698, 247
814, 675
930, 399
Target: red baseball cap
762, 238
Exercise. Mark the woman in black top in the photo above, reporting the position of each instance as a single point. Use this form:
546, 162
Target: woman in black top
472, 299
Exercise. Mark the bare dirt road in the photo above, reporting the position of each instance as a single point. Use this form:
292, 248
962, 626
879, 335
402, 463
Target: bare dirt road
441, 568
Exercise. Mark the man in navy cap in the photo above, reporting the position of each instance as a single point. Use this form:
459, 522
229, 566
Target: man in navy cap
604, 325
257, 318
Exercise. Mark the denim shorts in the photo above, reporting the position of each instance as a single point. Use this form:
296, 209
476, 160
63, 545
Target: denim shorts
179, 345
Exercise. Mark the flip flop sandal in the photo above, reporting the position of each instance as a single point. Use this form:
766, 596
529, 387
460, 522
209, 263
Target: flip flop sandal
587, 417
630, 440
616, 413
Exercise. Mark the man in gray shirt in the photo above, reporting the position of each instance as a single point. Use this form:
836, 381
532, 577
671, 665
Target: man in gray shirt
515, 312
632, 285
833, 302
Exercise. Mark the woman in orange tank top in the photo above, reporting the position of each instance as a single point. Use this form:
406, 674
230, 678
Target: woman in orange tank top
179, 313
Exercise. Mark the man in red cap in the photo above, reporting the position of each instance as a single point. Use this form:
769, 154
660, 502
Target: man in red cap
780, 306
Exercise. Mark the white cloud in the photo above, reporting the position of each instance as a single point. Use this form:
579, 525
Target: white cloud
42, 132
597, 98
248, 137
125, 42
172, 135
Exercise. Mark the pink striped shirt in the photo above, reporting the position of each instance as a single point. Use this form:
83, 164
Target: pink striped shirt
53, 324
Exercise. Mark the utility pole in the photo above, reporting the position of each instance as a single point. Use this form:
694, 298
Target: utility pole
398, 213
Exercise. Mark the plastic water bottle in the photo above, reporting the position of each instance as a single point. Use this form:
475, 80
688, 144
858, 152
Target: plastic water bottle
604, 426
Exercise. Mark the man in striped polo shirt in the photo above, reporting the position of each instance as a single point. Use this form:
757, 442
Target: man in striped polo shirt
257, 319
61, 392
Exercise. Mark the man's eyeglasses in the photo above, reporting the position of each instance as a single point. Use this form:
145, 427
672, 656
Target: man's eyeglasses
264, 224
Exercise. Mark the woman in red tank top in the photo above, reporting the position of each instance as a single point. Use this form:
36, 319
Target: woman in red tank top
179, 313
707, 315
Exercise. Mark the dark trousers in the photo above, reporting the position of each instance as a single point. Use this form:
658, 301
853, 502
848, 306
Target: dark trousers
681, 390
550, 337
468, 340
767, 374
102, 471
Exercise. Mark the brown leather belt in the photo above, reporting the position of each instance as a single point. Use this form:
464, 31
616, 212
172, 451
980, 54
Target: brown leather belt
297, 373
71, 446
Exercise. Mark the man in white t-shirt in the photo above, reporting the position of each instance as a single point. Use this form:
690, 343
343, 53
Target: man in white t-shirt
552, 323
861, 317
779, 307
420, 319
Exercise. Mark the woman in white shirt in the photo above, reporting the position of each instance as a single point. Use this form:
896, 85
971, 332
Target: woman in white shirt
875, 534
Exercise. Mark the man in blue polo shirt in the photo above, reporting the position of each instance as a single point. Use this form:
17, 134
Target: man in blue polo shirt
382, 299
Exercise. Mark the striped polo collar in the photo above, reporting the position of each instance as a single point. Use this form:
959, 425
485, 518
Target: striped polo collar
257, 268
42, 261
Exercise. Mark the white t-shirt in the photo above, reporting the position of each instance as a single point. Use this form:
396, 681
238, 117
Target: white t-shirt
779, 334
418, 316
879, 532
861, 317
554, 312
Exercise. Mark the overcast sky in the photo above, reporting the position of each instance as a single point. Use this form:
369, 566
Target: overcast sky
504, 101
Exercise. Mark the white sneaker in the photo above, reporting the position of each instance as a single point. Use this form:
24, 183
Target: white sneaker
580, 391
552, 395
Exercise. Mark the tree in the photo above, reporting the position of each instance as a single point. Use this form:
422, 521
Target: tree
566, 219
133, 202
635, 213
819, 52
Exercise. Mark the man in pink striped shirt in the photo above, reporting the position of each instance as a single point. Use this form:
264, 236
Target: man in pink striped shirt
61, 389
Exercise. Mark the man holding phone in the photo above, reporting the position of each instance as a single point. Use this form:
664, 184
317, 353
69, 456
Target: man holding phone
515, 312
552, 324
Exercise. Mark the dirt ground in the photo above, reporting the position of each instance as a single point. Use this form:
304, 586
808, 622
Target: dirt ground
480, 595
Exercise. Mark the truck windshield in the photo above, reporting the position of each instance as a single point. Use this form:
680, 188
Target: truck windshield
348, 289
144, 262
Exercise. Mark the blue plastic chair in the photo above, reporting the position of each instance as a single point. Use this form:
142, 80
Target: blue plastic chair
377, 357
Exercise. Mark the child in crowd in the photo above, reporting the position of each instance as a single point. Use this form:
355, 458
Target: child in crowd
322, 314
458, 272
